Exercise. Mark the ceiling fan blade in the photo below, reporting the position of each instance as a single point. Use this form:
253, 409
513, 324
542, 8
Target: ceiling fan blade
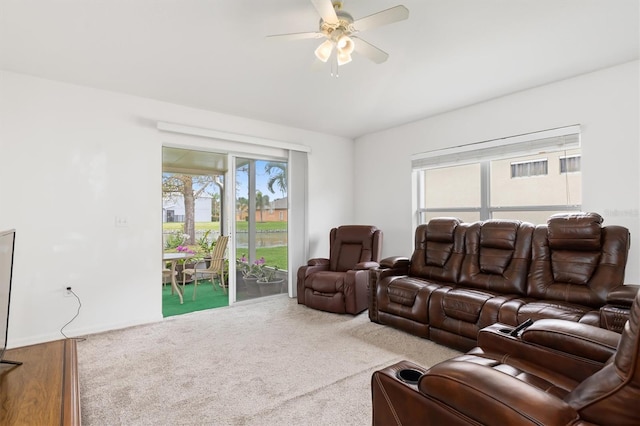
369, 51
395, 14
296, 36
326, 11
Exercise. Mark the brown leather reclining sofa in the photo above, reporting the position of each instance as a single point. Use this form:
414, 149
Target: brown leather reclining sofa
463, 277
555, 372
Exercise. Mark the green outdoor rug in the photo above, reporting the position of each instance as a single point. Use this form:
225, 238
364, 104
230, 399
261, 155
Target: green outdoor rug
206, 298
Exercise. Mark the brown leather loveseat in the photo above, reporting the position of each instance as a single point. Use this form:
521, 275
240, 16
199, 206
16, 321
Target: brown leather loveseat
463, 277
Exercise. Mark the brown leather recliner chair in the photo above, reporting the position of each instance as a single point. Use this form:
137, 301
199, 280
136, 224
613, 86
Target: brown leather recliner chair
340, 283
555, 372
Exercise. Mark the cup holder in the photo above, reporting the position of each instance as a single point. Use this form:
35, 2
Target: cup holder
408, 375
505, 330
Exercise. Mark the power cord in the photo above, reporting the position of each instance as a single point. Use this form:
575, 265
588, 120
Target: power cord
74, 317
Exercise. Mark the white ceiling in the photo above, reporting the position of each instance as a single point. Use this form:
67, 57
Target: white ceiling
213, 54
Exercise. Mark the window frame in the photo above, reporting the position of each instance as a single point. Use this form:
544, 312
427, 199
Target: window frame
483, 153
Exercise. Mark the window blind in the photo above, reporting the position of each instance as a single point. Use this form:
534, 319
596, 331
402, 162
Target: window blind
530, 143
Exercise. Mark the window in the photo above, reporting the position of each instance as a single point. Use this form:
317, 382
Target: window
524, 177
529, 168
570, 164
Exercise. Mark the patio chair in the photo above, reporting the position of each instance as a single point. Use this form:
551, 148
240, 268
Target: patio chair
166, 275
216, 267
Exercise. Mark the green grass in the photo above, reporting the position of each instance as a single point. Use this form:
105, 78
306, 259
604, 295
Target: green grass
241, 226
179, 226
206, 298
273, 256
262, 226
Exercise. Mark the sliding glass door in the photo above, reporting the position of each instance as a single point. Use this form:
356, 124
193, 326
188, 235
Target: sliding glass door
261, 227
257, 199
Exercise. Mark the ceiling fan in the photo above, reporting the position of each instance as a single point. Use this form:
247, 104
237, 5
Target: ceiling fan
339, 28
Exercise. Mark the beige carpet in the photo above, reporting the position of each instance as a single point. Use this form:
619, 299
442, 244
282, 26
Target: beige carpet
270, 362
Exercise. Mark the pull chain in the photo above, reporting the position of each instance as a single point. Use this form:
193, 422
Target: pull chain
334, 63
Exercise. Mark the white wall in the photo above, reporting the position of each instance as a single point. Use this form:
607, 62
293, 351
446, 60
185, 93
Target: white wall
92, 155
604, 103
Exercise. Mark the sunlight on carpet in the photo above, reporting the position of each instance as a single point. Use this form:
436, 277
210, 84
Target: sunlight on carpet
206, 298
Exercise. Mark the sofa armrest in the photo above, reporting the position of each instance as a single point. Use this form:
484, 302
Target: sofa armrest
572, 349
316, 261
392, 266
312, 266
366, 265
396, 262
488, 396
573, 338
623, 295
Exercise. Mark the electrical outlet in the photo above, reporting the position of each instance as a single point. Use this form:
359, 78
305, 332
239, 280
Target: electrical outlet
67, 291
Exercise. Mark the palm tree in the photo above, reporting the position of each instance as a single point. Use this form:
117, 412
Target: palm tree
242, 206
277, 175
215, 207
262, 201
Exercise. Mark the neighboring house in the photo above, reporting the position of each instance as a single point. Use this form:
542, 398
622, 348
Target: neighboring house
173, 209
276, 212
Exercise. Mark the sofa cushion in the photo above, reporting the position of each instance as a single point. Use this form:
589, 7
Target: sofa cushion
326, 282
441, 229
497, 254
437, 253
350, 254
352, 244
494, 261
407, 298
497, 243
533, 375
577, 231
558, 310
439, 248
499, 234
464, 304
404, 291
575, 273
439, 234
574, 267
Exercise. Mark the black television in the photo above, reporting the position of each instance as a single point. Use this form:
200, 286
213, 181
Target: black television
7, 245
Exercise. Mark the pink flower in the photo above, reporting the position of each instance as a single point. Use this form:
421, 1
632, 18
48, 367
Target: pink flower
185, 249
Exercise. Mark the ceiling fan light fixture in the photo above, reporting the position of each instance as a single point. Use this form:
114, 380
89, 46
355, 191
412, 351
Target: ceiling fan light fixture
323, 52
345, 44
337, 26
343, 58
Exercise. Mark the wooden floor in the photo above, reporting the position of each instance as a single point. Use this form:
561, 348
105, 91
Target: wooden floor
44, 389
